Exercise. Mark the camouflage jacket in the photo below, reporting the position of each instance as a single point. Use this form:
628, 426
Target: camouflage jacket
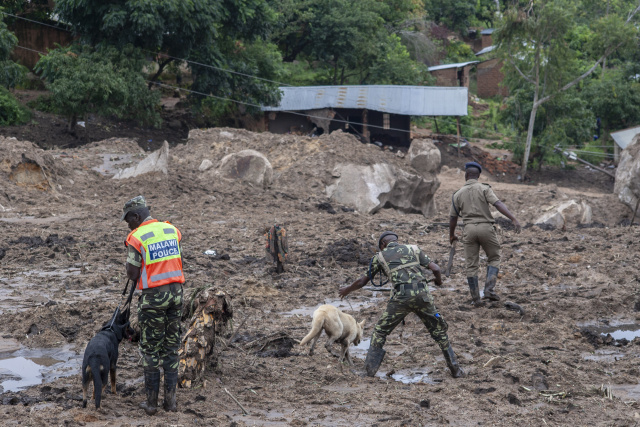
397, 255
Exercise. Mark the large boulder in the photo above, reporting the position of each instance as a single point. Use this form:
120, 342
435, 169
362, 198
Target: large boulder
371, 188
627, 185
158, 161
571, 212
249, 166
424, 157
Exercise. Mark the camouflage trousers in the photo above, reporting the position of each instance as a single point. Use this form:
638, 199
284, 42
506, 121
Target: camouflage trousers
159, 316
399, 306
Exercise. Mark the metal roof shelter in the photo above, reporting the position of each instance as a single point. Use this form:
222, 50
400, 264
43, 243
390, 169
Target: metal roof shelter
405, 100
487, 31
624, 137
485, 50
458, 65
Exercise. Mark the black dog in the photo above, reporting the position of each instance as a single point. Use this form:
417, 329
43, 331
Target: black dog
102, 354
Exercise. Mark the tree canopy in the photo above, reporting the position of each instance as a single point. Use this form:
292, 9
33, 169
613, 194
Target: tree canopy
216, 33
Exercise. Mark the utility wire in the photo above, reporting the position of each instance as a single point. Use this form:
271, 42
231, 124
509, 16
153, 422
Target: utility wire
161, 54
249, 76
292, 112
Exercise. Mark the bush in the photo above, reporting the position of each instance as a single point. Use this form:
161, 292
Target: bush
11, 112
43, 103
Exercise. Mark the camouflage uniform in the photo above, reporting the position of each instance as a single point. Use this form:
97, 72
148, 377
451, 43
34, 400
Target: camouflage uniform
410, 295
159, 314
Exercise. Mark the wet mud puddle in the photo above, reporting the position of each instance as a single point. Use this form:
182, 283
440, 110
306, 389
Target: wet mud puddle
21, 368
345, 305
24, 290
112, 163
619, 332
405, 376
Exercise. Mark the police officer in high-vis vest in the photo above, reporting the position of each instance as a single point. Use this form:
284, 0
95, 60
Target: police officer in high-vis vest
154, 262
471, 203
410, 294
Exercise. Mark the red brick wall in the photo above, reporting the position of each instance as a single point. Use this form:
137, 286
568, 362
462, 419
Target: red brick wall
449, 77
446, 77
36, 37
486, 40
489, 79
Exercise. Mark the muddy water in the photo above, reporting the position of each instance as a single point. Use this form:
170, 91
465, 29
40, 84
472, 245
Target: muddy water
24, 367
111, 163
24, 290
345, 305
627, 331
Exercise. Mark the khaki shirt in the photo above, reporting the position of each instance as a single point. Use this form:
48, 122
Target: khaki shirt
472, 201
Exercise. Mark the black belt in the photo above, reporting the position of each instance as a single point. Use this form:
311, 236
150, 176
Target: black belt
164, 288
410, 287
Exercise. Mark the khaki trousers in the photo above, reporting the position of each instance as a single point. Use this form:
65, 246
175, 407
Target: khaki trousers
476, 236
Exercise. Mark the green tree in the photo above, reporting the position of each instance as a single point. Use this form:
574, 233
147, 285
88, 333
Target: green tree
10, 73
350, 42
106, 81
532, 41
211, 32
453, 14
615, 98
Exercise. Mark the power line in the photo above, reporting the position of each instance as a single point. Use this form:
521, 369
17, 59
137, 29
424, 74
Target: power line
161, 54
280, 111
241, 74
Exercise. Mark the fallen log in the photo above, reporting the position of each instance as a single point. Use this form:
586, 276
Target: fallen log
210, 312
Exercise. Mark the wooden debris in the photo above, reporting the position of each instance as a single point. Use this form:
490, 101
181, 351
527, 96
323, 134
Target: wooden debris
211, 311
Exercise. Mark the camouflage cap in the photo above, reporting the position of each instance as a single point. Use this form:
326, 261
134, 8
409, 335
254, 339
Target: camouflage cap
385, 234
133, 204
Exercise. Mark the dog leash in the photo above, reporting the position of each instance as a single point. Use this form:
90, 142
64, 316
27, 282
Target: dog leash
127, 304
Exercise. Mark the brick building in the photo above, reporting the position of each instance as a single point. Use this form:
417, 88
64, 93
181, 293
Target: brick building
452, 75
36, 38
489, 76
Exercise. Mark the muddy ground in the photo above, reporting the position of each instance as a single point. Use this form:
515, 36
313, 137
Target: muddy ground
62, 273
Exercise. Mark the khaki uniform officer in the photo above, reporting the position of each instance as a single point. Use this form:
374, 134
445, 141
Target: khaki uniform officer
471, 203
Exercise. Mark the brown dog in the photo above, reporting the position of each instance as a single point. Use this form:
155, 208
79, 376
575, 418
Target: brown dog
340, 327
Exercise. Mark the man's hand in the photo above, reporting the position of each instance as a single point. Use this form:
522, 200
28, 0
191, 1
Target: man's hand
516, 224
346, 290
453, 238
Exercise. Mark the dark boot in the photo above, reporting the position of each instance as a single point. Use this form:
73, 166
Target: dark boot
474, 290
452, 363
373, 360
492, 276
152, 387
170, 382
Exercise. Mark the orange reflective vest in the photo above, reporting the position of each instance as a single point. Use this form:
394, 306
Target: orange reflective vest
159, 245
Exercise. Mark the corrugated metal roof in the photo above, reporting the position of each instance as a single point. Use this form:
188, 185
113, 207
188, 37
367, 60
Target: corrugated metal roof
625, 137
445, 66
487, 31
406, 100
485, 50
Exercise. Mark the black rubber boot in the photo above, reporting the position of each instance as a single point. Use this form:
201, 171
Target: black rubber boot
373, 360
492, 277
152, 387
452, 363
170, 383
474, 290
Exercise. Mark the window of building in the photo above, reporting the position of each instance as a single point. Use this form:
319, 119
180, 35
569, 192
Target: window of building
386, 121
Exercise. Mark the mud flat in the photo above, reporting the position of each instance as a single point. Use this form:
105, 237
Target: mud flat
62, 275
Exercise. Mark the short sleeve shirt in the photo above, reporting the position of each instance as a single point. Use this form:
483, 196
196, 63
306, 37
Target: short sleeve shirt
396, 255
133, 256
472, 202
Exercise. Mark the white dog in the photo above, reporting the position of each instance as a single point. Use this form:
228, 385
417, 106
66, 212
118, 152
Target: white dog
340, 327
